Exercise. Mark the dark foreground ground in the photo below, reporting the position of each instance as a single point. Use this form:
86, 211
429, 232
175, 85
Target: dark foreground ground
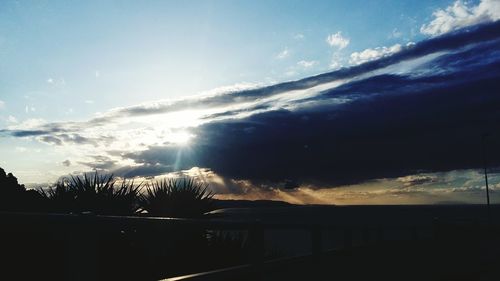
383, 243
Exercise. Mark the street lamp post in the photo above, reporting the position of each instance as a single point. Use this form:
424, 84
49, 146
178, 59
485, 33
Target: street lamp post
485, 162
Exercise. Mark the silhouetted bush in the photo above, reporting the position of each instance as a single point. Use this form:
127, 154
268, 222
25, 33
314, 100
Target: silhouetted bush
98, 194
177, 198
15, 197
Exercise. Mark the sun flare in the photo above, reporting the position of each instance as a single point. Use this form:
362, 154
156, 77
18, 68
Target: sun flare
180, 138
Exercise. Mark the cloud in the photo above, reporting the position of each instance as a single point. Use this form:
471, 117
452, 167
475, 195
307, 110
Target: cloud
59, 82
300, 67
413, 180
307, 64
100, 162
50, 140
460, 15
66, 163
337, 61
334, 64
283, 54
373, 54
144, 171
298, 36
395, 33
337, 40
11, 119
2, 104
411, 112
383, 122
29, 108
31, 123
384, 191
21, 149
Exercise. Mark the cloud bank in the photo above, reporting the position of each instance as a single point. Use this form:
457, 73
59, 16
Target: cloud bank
420, 109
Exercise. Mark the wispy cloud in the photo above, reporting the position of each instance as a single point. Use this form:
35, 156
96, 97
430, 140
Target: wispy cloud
11, 119
460, 14
373, 54
21, 149
56, 82
337, 40
417, 179
396, 33
307, 63
283, 54
298, 36
29, 108
337, 61
2, 104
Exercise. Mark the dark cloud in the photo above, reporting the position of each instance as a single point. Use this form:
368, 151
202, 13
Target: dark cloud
393, 125
100, 162
415, 180
60, 139
29, 133
484, 34
66, 163
73, 138
46, 129
51, 140
146, 170
77, 139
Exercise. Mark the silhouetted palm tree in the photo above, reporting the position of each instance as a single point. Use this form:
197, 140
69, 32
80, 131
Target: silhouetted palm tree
177, 198
98, 194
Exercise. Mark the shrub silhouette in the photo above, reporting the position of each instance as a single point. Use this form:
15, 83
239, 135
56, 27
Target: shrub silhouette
97, 194
185, 198
100, 194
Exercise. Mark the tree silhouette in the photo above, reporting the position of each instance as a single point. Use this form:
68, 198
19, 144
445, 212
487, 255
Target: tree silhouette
15, 197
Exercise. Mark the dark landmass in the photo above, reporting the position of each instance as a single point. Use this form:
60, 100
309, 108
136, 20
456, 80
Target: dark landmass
225, 204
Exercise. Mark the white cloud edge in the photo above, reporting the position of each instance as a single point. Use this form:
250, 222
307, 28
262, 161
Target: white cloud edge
460, 15
371, 54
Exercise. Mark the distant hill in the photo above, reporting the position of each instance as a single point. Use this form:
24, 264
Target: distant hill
224, 204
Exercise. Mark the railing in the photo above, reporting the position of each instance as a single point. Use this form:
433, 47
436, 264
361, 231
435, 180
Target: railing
259, 266
255, 229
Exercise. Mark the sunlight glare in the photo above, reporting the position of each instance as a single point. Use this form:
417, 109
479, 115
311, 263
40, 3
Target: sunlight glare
180, 138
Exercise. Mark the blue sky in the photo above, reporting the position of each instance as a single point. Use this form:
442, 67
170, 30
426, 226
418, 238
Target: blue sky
152, 50
95, 84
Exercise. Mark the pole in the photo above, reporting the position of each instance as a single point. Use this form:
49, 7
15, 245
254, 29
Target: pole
486, 176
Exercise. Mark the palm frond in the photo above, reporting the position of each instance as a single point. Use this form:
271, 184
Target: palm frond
177, 198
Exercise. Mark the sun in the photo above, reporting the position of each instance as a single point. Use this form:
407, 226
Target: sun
180, 138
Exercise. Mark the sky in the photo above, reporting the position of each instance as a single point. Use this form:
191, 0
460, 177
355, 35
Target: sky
330, 102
